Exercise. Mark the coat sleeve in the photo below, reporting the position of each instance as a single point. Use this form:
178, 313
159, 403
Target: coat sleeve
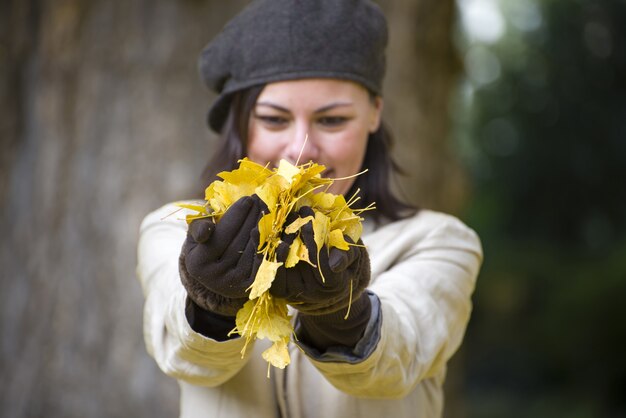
179, 351
424, 272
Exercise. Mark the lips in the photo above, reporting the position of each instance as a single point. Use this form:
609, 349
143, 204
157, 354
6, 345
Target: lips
328, 173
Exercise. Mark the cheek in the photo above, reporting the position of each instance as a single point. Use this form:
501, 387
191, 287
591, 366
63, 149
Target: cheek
262, 149
347, 155
347, 161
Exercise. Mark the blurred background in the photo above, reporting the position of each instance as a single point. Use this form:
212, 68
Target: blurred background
510, 114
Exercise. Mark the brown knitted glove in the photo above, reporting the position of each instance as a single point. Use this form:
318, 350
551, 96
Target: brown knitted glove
344, 273
333, 329
323, 304
218, 262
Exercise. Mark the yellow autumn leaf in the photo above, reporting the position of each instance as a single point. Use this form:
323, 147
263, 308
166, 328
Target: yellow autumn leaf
297, 252
195, 205
248, 173
218, 206
309, 177
236, 184
264, 277
287, 170
320, 229
295, 226
268, 193
292, 256
335, 239
277, 355
264, 317
266, 228
274, 326
230, 193
243, 319
323, 200
351, 227
284, 189
320, 235
190, 218
247, 163
303, 254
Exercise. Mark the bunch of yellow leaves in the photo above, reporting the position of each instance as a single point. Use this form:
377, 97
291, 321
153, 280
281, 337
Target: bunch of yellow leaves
284, 190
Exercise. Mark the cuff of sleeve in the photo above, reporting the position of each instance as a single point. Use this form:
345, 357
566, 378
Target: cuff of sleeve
210, 324
360, 351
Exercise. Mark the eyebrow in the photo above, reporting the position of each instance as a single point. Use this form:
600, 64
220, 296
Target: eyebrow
320, 110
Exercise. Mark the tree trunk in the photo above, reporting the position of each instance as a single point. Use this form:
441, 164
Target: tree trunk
423, 67
422, 72
103, 121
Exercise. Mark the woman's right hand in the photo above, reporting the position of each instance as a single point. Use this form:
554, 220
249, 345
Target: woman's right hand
218, 261
337, 278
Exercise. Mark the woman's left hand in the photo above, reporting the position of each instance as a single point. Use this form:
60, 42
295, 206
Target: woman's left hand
340, 275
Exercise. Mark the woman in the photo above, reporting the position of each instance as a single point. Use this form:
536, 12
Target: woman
301, 81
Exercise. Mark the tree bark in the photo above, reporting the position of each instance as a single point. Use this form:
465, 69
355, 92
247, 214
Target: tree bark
423, 68
103, 121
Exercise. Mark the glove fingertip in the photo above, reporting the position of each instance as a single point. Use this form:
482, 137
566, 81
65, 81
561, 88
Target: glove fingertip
307, 235
279, 285
201, 229
240, 207
282, 252
337, 260
259, 203
305, 211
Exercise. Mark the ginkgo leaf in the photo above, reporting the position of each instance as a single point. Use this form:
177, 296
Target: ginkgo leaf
264, 277
268, 192
248, 173
292, 255
303, 253
320, 229
196, 205
243, 317
266, 228
351, 228
295, 226
323, 200
191, 218
309, 177
297, 252
266, 317
274, 326
278, 354
284, 189
246, 163
287, 170
335, 239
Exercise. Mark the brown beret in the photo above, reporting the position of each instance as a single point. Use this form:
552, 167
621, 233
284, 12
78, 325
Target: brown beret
278, 40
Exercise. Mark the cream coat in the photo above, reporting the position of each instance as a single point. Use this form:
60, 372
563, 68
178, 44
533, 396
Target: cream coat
423, 273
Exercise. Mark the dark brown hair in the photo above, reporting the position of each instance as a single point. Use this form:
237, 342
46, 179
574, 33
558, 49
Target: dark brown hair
373, 186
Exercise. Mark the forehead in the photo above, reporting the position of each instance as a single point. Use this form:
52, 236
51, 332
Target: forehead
313, 91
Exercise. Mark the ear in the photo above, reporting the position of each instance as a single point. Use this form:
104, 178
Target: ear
376, 115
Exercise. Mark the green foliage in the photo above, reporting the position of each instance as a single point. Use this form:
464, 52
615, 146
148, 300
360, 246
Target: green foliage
552, 128
546, 144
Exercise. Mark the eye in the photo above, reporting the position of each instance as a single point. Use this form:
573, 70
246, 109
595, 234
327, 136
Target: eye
272, 120
332, 121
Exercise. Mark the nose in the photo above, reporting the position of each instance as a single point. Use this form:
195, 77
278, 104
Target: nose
301, 148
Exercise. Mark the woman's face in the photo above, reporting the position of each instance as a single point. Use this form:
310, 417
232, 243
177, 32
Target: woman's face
326, 121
